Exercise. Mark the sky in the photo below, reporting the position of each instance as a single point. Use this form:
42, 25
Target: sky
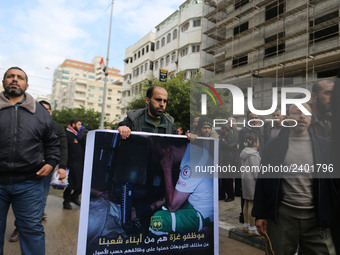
38, 35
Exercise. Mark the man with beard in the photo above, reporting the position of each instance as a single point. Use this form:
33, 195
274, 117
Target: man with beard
75, 164
272, 130
151, 119
321, 108
296, 208
29, 151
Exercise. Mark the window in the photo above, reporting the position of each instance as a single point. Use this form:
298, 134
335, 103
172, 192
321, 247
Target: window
151, 65
156, 65
142, 51
327, 31
184, 52
65, 77
168, 38
239, 29
66, 72
161, 63
91, 95
197, 23
110, 90
278, 46
239, 3
108, 106
84, 75
135, 56
173, 57
163, 42
195, 48
64, 83
109, 98
275, 9
138, 54
146, 67
174, 34
147, 48
91, 77
193, 73
101, 89
185, 27
89, 104
240, 61
152, 47
141, 69
157, 45
92, 87
167, 60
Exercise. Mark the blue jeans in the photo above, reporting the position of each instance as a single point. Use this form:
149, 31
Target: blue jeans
47, 180
27, 204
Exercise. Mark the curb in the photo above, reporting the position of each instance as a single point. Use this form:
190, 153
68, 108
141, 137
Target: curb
237, 234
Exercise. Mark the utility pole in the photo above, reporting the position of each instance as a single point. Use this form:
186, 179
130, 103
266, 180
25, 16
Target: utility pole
106, 72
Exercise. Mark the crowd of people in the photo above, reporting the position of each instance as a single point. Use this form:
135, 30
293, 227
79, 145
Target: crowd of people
296, 212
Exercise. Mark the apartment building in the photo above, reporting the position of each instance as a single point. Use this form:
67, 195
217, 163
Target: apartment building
176, 47
77, 84
291, 41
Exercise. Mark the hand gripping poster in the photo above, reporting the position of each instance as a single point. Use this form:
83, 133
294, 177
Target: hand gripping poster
148, 194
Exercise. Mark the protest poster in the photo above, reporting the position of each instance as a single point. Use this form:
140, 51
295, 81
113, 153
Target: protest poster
124, 210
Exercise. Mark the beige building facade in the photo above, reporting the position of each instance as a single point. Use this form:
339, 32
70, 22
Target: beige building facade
79, 84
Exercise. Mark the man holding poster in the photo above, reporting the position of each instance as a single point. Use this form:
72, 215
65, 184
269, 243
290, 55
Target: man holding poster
152, 119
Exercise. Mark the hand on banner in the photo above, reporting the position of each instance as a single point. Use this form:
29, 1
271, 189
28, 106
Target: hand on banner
62, 174
124, 132
261, 226
191, 137
45, 170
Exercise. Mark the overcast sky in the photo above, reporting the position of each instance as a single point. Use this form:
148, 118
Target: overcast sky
38, 35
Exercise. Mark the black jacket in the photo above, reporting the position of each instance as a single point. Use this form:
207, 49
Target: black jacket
269, 192
60, 132
27, 140
136, 120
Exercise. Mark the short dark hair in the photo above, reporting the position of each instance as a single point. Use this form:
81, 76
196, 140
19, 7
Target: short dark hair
17, 68
250, 140
149, 92
316, 86
74, 121
42, 102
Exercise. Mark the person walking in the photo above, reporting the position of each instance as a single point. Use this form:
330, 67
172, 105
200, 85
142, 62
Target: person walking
29, 152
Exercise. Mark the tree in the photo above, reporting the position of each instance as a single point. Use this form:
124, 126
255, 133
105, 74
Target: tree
178, 98
90, 118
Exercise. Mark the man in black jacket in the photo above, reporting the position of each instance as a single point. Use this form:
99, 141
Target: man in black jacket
29, 151
75, 164
60, 132
62, 165
151, 119
295, 209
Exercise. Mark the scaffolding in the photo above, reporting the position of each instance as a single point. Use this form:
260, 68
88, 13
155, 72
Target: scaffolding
272, 38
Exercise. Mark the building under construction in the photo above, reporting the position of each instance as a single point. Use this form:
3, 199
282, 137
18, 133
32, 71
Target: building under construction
291, 41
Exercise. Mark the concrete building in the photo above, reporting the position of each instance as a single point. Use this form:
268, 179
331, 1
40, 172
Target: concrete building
77, 84
176, 47
291, 41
